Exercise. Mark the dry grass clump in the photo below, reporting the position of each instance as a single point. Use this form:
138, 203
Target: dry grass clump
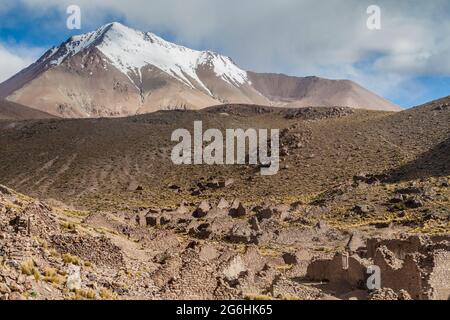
71, 259
106, 294
29, 268
69, 226
85, 294
51, 275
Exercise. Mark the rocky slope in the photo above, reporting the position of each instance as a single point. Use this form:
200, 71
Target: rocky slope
13, 111
311, 250
118, 71
92, 162
297, 92
119, 221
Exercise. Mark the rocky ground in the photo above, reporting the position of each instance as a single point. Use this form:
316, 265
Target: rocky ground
107, 216
318, 248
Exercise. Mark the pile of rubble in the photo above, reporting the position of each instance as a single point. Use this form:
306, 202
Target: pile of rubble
231, 222
213, 250
311, 113
418, 266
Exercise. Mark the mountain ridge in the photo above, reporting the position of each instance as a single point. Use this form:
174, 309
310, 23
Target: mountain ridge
119, 71
14, 111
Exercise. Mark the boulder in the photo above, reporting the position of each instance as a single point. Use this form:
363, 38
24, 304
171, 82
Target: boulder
174, 188
202, 210
254, 223
182, 209
4, 289
73, 277
223, 204
134, 186
265, 213
413, 203
410, 190
221, 226
165, 218
201, 231
290, 258
445, 183
152, 219
214, 184
237, 209
321, 226
228, 182
141, 220
241, 233
234, 269
398, 198
362, 209
208, 253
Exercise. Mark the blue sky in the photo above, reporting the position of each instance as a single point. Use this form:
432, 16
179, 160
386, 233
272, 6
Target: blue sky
407, 61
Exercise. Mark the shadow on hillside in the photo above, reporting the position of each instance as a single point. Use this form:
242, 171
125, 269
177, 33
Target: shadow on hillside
433, 163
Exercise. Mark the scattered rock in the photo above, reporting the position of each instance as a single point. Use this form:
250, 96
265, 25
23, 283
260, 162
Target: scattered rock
290, 258
182, 209
134, 186
228, 182
241, 233
410, 190
208, 253
265, 213
237, 209
413, 203
369, 179
362, 209
4, 289
201, 231
442, 107
16, 296
255, 224
234, 269
444, 183
202, 210
322, 226
223, 204
175, 187
389, 294
152, 219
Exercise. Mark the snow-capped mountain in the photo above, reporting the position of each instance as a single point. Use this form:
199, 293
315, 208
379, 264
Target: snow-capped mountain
117, 71
129, 51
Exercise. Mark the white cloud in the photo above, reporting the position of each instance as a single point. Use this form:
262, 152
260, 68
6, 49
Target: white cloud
14, 59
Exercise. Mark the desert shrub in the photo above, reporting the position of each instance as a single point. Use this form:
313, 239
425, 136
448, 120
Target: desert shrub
81, 294
68, 258
51, 275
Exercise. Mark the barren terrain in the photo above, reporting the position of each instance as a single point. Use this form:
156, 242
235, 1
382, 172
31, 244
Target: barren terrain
111, 217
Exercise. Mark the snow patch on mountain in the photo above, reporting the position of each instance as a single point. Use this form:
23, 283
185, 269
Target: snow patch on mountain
130, 50
75, 45
224, 68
